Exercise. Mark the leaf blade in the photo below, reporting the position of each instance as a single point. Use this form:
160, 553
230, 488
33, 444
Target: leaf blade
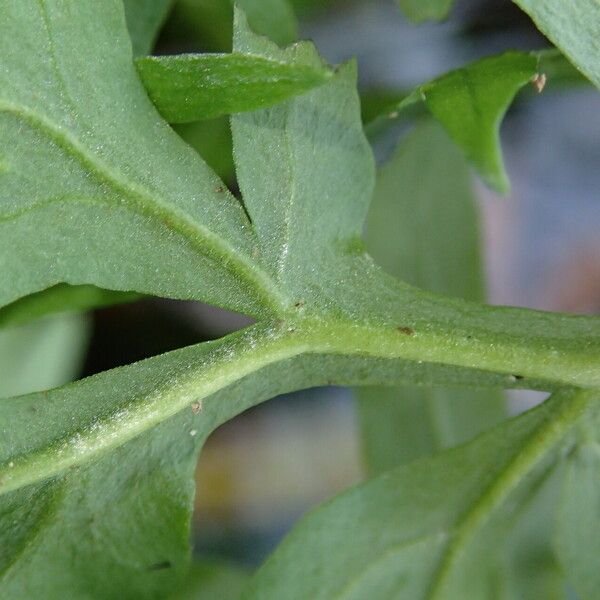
188, 88
576, 537
144, 19
443, 502
104, 171
470, 103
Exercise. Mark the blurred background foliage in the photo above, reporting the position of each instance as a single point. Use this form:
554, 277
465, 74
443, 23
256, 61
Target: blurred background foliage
429, 220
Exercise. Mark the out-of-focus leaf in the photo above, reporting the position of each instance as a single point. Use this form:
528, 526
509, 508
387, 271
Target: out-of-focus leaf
61, 298
213, 581
421, 531
212, 140
470, 103
423, 228
211, 21
578, 526
530, 566
426, 10
144, 19
273, 18
559, 72
193, 87
41, 355
572, 26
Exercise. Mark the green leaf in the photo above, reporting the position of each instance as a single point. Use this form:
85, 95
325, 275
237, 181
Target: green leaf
272, 18
296, 162
41, 355
422, 198
96, 478
125, 204
426, 10
578, 525
422, 530
212, 140
210, 581
470, 103
211, 21
530, 566
558, 70
58, 299
193, 87
572, 26
144, 20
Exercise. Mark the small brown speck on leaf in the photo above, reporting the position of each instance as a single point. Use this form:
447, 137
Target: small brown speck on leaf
406, 330
299, 304
219, 189
539, 82
196, 407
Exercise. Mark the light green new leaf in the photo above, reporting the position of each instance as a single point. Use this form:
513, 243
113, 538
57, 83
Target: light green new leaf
572, 26
125, 204
423, 228
422, 530
578, 526
144, 19
470, 103
193, 87
426, 10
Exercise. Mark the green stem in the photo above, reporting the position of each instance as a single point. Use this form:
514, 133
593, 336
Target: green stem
299, 353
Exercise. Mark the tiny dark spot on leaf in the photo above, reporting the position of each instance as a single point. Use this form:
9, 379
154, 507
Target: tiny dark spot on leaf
298, 304
160, 566
518, 377
219, 189
406, 330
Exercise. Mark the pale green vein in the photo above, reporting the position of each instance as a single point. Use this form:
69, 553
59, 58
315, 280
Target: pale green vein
141, 200
548, 436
